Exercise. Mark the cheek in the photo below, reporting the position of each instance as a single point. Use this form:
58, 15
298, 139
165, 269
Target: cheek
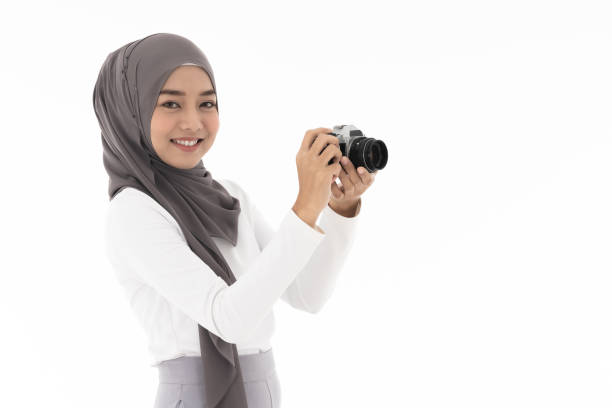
160, 130
213, 124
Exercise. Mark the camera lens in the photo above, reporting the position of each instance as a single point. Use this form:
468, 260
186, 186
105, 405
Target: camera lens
376, 154
369, 153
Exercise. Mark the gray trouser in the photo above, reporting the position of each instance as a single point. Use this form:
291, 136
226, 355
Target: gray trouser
181, 382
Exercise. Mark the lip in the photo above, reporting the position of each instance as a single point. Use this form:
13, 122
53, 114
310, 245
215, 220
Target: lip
187, 148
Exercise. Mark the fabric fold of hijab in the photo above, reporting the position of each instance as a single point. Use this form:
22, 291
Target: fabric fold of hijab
124, 98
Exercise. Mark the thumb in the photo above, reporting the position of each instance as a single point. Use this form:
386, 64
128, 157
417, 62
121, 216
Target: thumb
336, 192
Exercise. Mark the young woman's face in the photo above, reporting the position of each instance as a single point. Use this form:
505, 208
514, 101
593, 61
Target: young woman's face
185, 114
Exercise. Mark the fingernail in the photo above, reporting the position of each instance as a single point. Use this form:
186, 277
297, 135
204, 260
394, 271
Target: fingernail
361, 170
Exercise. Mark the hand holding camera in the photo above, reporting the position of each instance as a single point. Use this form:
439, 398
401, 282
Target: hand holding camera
318, 164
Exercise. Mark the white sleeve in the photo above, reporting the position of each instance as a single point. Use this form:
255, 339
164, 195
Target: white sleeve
140, 237
312, 288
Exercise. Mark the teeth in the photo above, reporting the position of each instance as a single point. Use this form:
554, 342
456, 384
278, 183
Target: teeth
185, 143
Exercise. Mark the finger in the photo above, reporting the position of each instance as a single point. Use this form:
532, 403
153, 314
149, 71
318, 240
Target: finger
348, 166
320, 139
346, 181
331, 151
337, 193
310, 136
367, 177
323, 141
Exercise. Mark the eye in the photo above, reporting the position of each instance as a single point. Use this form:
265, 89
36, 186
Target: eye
213, 104
166, 103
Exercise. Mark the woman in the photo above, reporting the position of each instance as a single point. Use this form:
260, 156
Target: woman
200, 265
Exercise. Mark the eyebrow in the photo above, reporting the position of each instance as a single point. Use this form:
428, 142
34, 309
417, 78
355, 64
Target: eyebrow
181, 93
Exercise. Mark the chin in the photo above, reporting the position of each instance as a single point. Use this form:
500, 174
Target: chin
183, 162
191, 166
184, 165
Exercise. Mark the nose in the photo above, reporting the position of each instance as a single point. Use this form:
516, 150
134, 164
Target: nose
192, 120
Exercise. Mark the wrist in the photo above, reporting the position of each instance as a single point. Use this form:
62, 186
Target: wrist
347, 209
309, 217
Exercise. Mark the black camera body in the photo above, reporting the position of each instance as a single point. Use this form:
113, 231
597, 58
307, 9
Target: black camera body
362, 151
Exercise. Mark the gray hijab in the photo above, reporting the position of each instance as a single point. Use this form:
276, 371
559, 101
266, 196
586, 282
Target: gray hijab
124, 99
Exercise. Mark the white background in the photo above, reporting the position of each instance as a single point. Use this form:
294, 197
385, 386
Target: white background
481, 273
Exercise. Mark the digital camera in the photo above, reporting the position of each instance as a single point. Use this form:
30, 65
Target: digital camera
362, 151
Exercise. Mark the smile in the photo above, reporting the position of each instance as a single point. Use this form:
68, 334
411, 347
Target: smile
187, 146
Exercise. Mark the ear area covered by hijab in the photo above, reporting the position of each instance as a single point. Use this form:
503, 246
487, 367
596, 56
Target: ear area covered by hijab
124, 98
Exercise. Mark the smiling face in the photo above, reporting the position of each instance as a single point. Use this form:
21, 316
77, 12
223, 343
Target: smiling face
185, 110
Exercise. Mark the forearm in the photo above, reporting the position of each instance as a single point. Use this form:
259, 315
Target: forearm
315, 283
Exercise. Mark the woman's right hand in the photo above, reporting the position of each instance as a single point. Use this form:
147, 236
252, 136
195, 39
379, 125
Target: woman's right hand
315, 174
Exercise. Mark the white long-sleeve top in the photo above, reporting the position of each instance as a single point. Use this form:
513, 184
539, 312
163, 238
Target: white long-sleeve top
171, 290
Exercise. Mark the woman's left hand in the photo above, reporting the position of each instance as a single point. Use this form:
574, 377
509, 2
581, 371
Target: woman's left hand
354, 185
